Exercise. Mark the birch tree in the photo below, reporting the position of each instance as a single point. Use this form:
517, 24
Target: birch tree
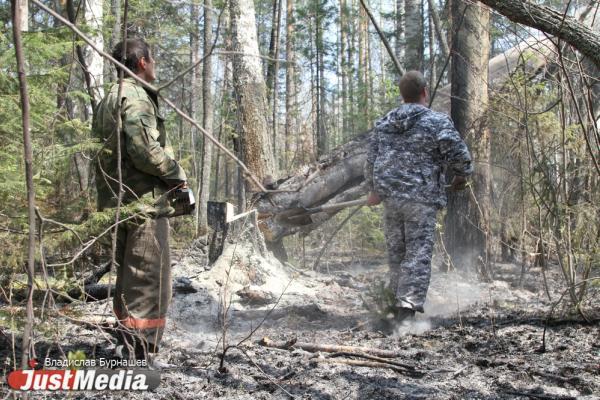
250, 91
93, 14
413, 32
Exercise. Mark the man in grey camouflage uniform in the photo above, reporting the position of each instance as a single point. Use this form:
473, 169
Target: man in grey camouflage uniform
409, 151
143, 284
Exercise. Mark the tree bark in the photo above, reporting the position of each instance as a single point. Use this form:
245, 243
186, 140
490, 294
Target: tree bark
467, 220
400, 33
250, 88
194, 99
437, 25
207, 118
322, 139
17, 19
413, 32
115, 6
290, 82
274, 90
94, 62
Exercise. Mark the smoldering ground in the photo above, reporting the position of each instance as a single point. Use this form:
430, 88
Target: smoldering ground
475, 341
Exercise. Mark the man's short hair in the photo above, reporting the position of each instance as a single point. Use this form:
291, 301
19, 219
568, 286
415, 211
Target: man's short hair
136, 49
412, 84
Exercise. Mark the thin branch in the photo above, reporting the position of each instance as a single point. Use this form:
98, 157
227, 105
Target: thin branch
241, 53
91, 242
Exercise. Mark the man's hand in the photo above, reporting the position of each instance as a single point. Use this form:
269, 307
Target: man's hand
458, 183
373, 199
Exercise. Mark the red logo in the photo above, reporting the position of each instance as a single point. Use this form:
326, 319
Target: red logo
33, 363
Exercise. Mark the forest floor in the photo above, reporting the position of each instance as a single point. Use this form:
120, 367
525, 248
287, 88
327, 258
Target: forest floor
475, 341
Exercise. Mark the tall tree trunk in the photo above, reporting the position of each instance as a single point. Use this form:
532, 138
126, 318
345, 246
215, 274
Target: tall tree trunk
322, 142
207, 118
194, 85
94, 62
437, 26
290, 81
363, 83
273, 46
432, 69
413, 31
249, 85
467, 220
17, 10
351, 70
274, 76
400, 33
223, 136
84, 61
115, 6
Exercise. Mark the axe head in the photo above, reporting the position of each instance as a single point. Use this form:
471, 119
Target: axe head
219, 213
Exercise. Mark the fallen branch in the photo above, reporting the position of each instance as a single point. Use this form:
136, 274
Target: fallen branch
327, 348
369, 364
373, 358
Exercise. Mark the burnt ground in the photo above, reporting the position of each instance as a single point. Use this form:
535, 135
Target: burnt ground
475, 341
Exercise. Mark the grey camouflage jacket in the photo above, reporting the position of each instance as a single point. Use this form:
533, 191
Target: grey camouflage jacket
409, 151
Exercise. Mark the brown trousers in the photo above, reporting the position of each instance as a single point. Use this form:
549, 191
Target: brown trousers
143, 287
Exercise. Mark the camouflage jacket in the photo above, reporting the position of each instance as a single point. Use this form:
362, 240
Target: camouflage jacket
409, 151
147, 165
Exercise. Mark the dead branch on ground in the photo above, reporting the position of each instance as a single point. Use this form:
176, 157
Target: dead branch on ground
327, 348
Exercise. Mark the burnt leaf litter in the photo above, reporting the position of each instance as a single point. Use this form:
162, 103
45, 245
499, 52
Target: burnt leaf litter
475, 341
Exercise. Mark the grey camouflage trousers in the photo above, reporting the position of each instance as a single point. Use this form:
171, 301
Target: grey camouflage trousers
409, 232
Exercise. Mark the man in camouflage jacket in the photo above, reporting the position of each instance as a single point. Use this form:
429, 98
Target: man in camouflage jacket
410, 150
143, 284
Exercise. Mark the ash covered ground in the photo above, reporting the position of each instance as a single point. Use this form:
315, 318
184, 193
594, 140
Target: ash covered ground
475, 341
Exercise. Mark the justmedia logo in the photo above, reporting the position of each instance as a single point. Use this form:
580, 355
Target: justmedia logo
83, 379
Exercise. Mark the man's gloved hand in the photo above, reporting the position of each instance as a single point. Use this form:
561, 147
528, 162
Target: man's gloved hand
373, 199
458, 183
182, 200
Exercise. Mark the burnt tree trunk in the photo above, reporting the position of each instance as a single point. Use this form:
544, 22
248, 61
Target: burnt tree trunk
467, 220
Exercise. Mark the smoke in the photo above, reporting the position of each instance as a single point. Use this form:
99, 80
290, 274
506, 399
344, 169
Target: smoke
450, 294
